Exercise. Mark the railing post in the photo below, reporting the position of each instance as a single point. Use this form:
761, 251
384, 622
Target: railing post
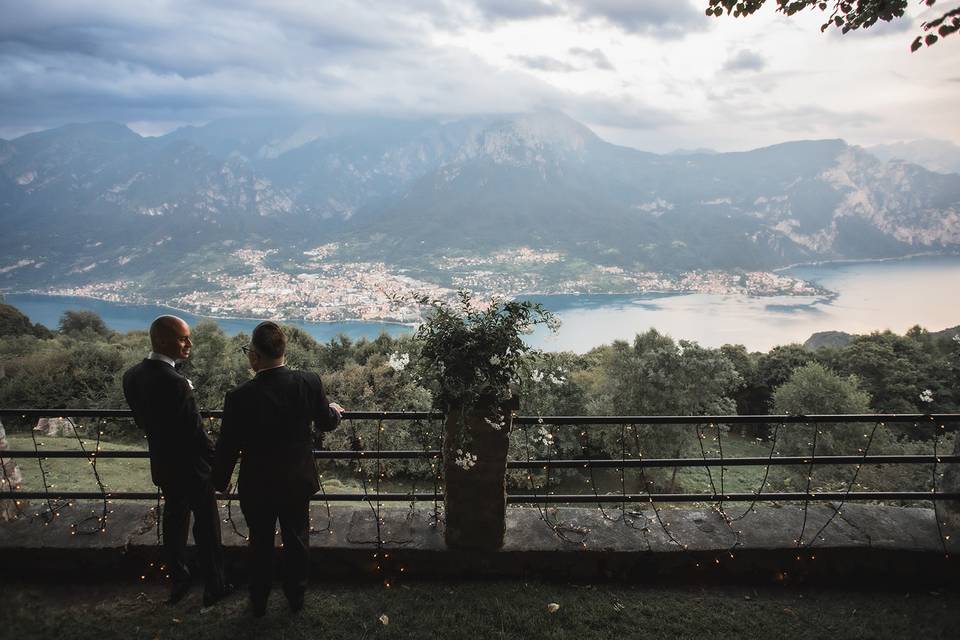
950, 509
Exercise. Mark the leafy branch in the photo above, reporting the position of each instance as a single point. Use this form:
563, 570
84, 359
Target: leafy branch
849, 15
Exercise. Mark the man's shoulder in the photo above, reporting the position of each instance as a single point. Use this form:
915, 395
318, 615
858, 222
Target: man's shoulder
306, 375
242, 389
310, 378
156, 372
139, 369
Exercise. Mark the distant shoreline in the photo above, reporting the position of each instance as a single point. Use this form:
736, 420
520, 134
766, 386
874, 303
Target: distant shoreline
823, 263
208, 316
825, 296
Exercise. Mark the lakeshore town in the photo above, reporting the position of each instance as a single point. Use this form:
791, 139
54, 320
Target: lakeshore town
318, 288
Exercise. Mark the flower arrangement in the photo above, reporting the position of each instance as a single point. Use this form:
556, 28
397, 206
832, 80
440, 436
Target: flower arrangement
472, 355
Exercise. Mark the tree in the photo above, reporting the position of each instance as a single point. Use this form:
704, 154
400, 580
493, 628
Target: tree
849, 15
814, 389
889, 367
657, 376
753, 397
77, 322
774, 368
216, 364
15, 323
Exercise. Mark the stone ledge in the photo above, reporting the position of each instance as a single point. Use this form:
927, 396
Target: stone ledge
862, 543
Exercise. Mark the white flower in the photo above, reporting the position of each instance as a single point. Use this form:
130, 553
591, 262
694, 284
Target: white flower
926, 395
557, 380
545, 436
465, 460
496, 426
398, 361
536, 375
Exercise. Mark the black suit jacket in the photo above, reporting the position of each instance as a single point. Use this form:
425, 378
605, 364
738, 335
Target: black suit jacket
164, 406
267, 424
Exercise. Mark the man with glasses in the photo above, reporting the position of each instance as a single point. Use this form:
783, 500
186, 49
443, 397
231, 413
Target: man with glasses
268, 424
181, 453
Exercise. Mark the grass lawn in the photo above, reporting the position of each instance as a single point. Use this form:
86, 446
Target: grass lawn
118, 474
480, 609
75, 474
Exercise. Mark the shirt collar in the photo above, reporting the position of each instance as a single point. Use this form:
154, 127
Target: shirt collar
162, 358
272, 368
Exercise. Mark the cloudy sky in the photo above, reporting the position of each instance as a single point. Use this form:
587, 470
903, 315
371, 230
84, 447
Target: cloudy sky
653, 74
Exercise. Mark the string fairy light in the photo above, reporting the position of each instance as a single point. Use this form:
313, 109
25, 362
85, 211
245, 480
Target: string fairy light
806, 497
559, 529
427, 440
936, 513
647, 486
766, 473
52, 509
836, 510
718, 506
92, 459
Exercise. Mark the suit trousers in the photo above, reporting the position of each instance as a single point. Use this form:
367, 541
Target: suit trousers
179, 502
262, 514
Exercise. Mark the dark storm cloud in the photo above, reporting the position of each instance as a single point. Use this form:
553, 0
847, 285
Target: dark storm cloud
744, 60
193, 61
595, 56
664, 19
516, 9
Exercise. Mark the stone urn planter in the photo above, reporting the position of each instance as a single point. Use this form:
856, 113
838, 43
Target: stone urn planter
474, 466
471, 355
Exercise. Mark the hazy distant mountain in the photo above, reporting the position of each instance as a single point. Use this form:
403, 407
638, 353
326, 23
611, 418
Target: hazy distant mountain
699, 151
94, 202
828, 339
842, 338
934, 155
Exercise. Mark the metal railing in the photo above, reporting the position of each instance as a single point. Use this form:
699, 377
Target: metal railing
936, 422
349, 417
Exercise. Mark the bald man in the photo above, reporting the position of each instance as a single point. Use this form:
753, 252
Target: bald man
181, 453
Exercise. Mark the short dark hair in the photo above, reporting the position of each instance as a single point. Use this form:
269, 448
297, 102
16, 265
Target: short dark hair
268, 339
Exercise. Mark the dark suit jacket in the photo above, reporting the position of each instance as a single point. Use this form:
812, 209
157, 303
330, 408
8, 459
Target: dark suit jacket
164, 406
267, 423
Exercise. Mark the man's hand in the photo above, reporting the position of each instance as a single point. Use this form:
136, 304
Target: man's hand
337, 409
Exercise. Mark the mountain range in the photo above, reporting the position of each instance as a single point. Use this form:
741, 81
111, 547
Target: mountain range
93, 202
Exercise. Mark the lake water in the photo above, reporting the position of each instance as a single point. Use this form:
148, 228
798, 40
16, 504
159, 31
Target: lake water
871, 296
